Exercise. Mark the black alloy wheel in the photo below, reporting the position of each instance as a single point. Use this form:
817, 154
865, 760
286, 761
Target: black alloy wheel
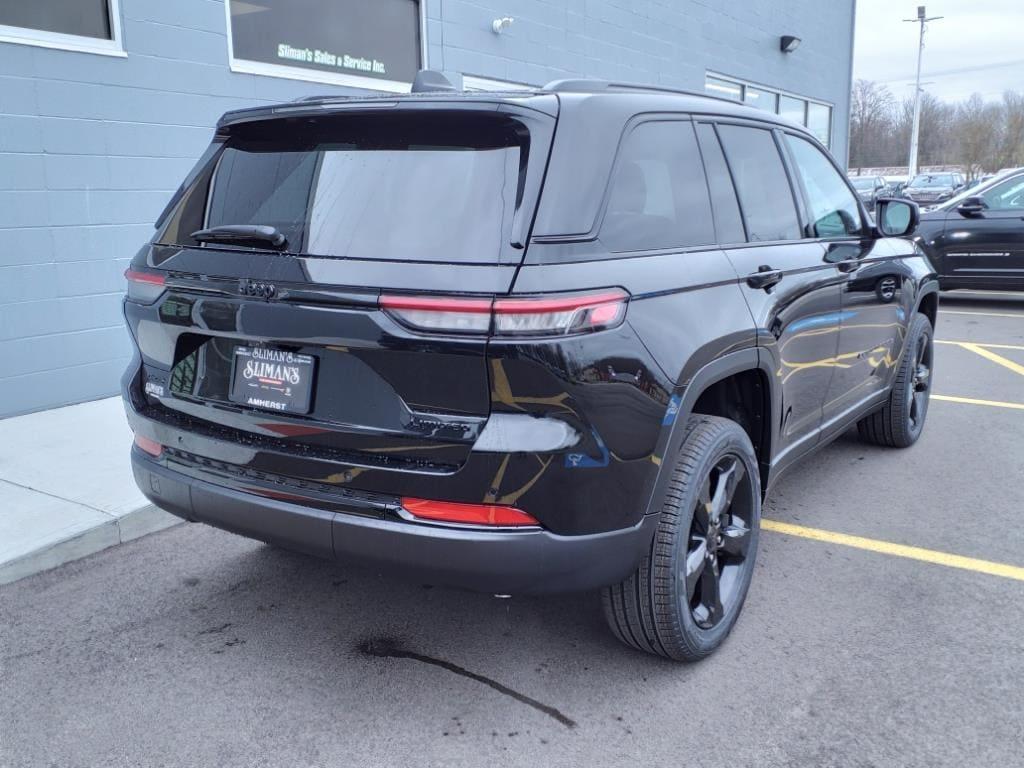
719, 541
686, 594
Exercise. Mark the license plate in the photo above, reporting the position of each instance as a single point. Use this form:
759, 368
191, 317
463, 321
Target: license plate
272, 379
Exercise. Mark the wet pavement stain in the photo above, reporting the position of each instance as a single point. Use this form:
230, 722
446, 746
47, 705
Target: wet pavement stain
389, 648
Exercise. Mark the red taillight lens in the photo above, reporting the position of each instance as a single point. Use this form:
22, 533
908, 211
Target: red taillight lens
559, 314
152, 447
471, 514
144, 287
555, 315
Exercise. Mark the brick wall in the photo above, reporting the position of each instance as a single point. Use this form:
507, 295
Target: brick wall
92, 146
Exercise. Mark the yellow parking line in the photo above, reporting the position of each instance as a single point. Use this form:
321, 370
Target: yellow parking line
985, 314
998, 359
1018, 347
897, 550
975, 401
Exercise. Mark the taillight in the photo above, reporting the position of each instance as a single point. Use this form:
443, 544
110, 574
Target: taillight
144, 287
440, 314
152, 447
469, 514
551, 315
559, 314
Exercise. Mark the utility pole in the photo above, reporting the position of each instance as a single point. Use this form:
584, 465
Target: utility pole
922, 19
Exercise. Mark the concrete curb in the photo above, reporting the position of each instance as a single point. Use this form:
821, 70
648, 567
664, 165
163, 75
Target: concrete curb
131, 525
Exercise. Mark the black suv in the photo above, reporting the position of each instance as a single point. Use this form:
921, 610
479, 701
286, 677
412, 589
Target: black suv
976, 240
524, 342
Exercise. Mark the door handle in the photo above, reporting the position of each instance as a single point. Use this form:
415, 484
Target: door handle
765, 277
850, 265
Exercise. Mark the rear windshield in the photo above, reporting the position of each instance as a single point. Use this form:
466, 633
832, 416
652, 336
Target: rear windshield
863, 183
429, 188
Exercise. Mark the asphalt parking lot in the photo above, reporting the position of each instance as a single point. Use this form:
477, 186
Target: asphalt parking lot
196, 647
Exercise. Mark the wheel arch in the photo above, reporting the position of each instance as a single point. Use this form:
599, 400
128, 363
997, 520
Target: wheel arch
928, 302
713, 391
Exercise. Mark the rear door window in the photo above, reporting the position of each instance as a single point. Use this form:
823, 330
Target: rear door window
761, 182
658, 197
412, 189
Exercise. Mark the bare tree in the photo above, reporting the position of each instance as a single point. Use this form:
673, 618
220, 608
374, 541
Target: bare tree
871, 112
978, 129
1011, 143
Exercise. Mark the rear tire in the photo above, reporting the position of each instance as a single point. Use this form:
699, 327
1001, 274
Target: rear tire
687, 593
899, 423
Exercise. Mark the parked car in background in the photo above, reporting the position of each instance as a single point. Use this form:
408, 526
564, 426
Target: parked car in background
870, 188
976, 239
931, 188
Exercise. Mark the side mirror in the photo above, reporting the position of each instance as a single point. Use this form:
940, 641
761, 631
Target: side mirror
896, 218
972, 206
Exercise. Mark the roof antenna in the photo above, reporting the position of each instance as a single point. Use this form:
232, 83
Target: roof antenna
428, 80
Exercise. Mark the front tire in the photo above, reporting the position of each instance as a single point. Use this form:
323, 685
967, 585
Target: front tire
687, 593
899, 423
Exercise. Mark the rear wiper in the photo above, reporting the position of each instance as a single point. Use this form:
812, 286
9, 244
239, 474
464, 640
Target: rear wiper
243, 234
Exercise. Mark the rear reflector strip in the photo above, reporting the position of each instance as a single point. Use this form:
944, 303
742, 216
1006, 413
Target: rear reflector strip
469, 514
152, 447
554, 315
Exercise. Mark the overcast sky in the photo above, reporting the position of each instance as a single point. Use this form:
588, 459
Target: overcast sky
977, 47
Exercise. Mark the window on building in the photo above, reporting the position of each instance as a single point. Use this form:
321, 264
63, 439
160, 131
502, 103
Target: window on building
833, 209
761, 99
815, 115
761, 183
348, 42
793, 109
819, 121
85, 25
719, 87
658, 197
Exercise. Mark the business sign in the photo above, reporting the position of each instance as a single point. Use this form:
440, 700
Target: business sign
379, 40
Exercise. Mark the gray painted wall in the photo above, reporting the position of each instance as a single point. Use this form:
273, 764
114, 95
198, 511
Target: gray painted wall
92, 146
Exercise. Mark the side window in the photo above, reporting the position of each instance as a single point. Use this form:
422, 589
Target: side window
760, 177
728, 221
658, 197
833, 209
1008, 196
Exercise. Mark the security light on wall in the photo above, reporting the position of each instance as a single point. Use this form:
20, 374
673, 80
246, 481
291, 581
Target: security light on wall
789, 43
500, 25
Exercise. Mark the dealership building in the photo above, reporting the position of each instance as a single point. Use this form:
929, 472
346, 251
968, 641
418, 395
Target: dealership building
106, 104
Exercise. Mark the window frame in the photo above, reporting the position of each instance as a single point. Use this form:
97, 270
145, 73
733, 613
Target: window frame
248, 67
797, 180
42, 38
799, 203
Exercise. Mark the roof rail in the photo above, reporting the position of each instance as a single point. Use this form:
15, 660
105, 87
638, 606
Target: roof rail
593, 85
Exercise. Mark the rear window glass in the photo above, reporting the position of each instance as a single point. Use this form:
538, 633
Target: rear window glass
392, 189
658, 198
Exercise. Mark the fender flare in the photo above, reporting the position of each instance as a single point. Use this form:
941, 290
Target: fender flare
684, 398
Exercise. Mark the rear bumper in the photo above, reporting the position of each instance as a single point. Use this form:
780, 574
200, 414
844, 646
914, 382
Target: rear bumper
508, 561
